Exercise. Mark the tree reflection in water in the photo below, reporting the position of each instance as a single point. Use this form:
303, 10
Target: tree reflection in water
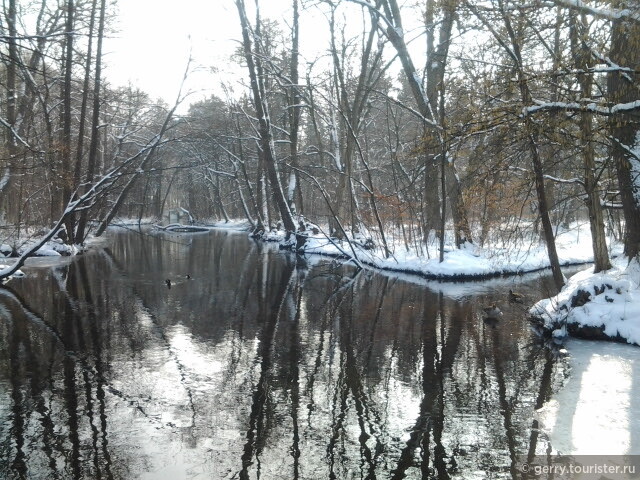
259, 366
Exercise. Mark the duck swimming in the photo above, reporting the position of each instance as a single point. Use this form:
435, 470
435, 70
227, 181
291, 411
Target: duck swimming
516, 297
168, 282
492, 312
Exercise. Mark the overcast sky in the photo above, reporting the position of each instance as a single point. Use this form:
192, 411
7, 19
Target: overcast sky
156, 37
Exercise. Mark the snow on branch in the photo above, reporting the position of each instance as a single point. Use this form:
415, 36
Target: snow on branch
15, 134
564, 180
627, 73
607, 13
220, 173
582, 107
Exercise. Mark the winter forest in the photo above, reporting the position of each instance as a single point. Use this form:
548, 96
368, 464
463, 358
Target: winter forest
363, 252
419, 126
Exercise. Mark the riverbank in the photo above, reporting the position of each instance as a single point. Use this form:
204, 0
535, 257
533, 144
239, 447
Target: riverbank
604, 305
471, 262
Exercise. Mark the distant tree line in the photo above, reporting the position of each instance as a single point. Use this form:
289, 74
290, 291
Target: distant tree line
520, 119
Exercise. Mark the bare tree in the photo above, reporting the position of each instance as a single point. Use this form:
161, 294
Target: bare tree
625, 127
388, 18
264, 121
579, 37
512, 47
95, 119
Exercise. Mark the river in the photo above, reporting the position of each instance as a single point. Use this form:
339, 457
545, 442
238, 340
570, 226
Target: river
254, 363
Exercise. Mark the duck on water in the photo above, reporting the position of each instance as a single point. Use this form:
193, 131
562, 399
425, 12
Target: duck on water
492, 311
515, 297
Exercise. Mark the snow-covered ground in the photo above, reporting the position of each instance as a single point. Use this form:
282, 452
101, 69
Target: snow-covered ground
52, 248
497, 258
608, 301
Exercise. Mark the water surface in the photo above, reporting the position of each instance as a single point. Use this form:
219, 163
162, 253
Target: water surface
261, 365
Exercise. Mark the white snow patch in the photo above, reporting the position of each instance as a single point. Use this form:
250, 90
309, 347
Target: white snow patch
573, 246
232, 224
613, 303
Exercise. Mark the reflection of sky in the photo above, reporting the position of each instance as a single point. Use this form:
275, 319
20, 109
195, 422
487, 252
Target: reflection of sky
597, 412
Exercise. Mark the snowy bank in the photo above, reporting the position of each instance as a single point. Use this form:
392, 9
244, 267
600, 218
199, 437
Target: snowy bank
595, 306
10, 255
53, 248
603, 305
467, 263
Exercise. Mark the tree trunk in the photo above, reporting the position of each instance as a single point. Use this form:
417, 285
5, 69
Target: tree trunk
343, 144
12, 93
65, 174
430, 197
95, 121
578, 32
150, 154
352, 106
294, 192
261, 190
427, 101
77, 174
462, 231
531, 132
254, 198
218, 197
266, 139
625, 128
536, 161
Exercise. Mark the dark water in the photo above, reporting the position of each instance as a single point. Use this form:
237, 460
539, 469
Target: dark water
260, 366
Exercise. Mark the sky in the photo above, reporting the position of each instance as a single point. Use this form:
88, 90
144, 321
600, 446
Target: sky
154, 39
157, 36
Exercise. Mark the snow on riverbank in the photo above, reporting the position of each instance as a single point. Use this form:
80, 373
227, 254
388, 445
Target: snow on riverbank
605, 304
471, 261
9, 255
53, 248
